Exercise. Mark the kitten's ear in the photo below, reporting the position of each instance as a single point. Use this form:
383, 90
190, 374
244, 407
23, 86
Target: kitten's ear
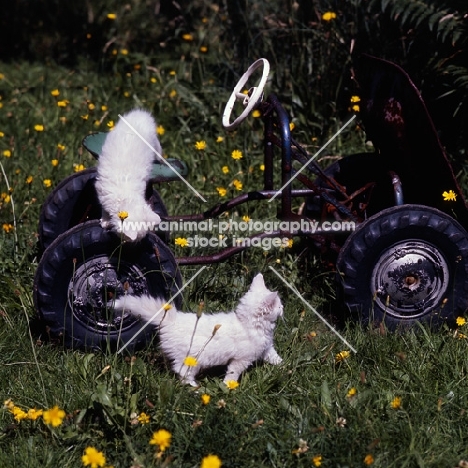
257, 282
271, 300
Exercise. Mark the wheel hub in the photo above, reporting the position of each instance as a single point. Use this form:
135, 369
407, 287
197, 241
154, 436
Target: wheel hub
93, 286
409, 278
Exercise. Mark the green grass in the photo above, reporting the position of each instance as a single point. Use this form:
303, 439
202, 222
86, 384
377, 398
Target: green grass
279, 416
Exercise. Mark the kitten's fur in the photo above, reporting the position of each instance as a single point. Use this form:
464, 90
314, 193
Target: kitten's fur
243, 337
123, 171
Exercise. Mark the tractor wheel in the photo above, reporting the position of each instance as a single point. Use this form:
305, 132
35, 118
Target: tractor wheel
84, 269
75, 201
404, 265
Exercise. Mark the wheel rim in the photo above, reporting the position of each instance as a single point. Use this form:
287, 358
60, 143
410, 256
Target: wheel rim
95, 283
409, 278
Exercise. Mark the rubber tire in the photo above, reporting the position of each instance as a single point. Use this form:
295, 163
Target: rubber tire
75, 201
402, 227
71, 292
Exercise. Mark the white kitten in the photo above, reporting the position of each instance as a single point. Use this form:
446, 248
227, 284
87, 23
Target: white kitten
236, 339
123, 171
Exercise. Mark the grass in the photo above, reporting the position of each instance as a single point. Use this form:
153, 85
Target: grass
400, 401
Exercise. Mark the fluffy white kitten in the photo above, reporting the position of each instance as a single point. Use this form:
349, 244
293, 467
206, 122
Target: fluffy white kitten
123, 171
236, 339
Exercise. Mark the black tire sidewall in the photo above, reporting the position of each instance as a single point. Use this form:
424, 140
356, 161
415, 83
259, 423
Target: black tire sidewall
364, 247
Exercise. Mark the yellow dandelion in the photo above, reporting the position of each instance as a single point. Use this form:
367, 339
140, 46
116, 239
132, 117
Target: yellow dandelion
256, 114
290, 243
203, 49
190, 361
153, 79
173, 93
200, 145
236, 154
55, 92
91, 106
78, 167
39, 128
7, 153
162, 439
124, 51
18, 413
187, 37
232, 384
351, 392
60, 147
225, 169
292, 126
237, 184
62, 103
2, 134
53, 416
246, 218
317, 460
34, 414
205, 398
29, 179
262, 167
461, 321
368, 459
328, 16
220, 139
143, 418
47, 183
7, 227
221, 191
396, 403
127, 93
93, 458
122, 215
449, 196
111, 16
85, 117
103, 108
110, 124
341, 356
54, 162
181, 241
355, 99
355, 108
160, 130
172, 73
167, 306
211, 461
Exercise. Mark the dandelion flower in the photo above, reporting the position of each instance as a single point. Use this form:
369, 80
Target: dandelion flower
2, 134
351, 392
368, 459
34, 414
225, 169
111, 16
93, 458
237, 184
461, 321
396, 403
355, 108
181, 241
143, 418
220, 139
55, 92
18, 413
190, 361
355, 99
29, 179
256, 114
122, 215
39, 128
60, 147
449, 196
110, 124
317, 460
187, 37
54, 416
200, 145
328, 16
47, 183
7, 153
54, 162
262, 167
166, 307
160, 130
78, 167
292, 126
211, 461
232, 384
62, 103
173, 93
7, 227
162, 439
342, 355
236, 154
205, 398
203, 49
221, 191
246, 218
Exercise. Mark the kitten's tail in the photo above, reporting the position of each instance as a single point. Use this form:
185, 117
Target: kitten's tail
150, 309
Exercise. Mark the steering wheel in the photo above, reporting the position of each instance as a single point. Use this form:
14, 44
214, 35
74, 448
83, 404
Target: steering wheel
248, 100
